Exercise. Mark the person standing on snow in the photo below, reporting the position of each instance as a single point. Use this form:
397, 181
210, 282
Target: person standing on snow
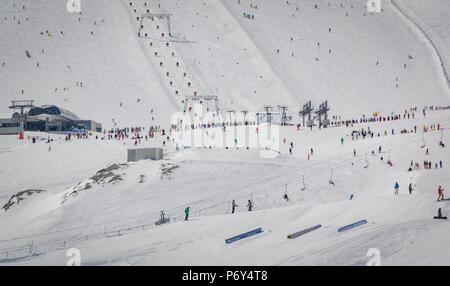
396, 187
233, 206
440, 194
342, 140
186, 211
410, 188
250, 205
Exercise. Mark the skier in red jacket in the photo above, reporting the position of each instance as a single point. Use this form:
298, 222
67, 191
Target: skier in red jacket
440, 193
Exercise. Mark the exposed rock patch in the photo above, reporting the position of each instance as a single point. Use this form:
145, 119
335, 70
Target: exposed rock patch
20, 196
102, 177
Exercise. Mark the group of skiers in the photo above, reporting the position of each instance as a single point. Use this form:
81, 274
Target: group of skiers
249, 16
234, 205
440, 190
377, 117
165, 68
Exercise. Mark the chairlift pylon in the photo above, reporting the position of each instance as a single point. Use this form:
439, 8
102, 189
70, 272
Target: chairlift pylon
331, 182
424, 143
303, 183
367, 162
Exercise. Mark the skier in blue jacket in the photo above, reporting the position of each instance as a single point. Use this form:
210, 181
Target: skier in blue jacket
396, 187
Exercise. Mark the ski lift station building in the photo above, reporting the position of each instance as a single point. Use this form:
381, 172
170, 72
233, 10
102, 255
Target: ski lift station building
48, 118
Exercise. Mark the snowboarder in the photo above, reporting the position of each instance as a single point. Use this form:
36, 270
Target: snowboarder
440, 193
233, 206
439, 216
250, 205
396, 187
186, 211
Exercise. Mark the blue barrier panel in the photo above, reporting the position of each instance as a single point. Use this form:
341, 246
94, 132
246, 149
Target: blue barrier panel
244, 235
350, 226
302, 232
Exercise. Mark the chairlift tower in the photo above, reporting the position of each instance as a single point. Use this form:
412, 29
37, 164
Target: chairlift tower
202, 98
244, 111
283, 110
268, 109
323, 111
21, 104
151, 16
230, 111
306, 111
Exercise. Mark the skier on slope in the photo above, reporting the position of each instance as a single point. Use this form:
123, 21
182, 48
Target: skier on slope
410, 188
440, 194
233, 206
186, 211
396, 187
250, 205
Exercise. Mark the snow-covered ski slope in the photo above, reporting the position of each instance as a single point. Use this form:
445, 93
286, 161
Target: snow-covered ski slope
110, 63
221, 52
434, 23
110, 215
113, 222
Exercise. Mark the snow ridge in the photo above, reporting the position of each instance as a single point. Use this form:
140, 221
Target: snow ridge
421, 27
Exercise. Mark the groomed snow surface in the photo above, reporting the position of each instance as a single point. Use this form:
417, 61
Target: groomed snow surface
84, 195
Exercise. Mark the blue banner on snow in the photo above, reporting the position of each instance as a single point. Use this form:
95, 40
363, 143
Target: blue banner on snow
244, 235
350, 226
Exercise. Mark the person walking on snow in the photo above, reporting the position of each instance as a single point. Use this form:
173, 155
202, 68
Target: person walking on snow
440, 194
250, 205
233, 206
186, 211
396, 187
